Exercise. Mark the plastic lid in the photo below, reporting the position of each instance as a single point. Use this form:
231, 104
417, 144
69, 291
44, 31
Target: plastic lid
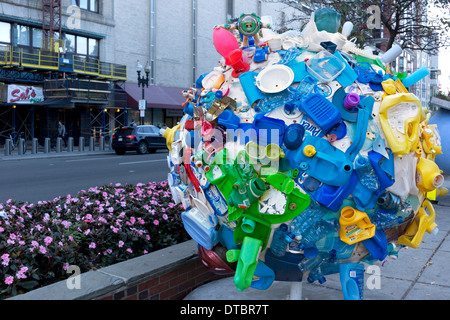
284, 227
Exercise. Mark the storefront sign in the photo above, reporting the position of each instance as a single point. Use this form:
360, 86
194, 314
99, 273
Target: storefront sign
25, 94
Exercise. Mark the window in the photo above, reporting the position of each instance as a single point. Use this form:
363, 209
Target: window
37, 38
93, 47
69, 43
81, 45
89, 5
5, 32
22, 35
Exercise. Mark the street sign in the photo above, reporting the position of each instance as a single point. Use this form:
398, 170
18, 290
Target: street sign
142, 104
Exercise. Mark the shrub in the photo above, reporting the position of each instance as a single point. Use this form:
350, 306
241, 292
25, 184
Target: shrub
99, 227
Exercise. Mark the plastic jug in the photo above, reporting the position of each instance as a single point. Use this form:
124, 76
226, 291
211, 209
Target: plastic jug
247, 260
216, 200
422, 222
355, 226
263, 276
352, 280
428, 175
269, 130
332, 197
383, 168
319, 159
377, 246
201, 228
229, 120
400, 118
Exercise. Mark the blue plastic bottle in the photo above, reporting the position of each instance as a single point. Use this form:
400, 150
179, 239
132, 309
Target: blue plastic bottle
301, 223
352, 280
366, 173
307, 264
280, 240
384, 219
316, 232
326, 267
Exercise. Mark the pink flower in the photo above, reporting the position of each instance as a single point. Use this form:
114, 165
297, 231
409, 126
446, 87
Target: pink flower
165, 217
121, 243
5, 258
65, 266
9, 280
129, 250
21, 273
115, 230
42, 250
48, 240
155, 222
92, 245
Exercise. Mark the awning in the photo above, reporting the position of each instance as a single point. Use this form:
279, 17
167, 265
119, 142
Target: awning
156, 96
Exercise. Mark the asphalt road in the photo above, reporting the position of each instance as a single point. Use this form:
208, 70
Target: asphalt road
35, 180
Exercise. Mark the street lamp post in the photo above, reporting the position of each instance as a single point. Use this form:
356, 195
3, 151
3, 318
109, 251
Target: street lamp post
142, 81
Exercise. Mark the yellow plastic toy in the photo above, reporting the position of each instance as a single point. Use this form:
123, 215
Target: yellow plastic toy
422, 222
400, 118
355, 226
428, 175
169, 135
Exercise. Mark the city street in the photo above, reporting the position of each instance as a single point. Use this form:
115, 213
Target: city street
35, 180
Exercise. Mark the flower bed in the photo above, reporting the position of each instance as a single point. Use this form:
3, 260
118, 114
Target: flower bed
96, 228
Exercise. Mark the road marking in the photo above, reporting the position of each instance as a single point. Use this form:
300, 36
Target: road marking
137, 162
88, 159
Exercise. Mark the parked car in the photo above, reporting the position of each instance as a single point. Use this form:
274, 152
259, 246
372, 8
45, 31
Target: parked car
142, 139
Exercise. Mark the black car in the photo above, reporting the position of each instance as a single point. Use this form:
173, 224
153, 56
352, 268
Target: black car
142, 139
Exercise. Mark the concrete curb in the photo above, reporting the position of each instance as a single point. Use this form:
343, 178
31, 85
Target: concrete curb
98, 283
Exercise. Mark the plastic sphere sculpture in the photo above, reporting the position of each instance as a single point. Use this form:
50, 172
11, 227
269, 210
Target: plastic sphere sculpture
303, 155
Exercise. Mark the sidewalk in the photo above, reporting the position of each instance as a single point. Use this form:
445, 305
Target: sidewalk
417, 274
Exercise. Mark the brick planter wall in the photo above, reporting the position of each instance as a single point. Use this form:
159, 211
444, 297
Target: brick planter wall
173, 285
167, 274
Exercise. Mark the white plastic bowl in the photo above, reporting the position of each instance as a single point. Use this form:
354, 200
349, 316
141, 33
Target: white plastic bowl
275, 78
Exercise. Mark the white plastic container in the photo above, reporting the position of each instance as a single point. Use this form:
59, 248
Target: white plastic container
275, 78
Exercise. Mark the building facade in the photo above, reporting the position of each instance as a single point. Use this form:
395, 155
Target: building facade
60, 52
78, 59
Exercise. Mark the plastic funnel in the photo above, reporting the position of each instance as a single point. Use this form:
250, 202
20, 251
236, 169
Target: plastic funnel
236, 61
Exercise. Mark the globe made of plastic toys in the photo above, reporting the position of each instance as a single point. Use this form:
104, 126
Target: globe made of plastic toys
313, 160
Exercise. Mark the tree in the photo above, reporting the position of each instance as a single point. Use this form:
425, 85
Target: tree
413, 24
